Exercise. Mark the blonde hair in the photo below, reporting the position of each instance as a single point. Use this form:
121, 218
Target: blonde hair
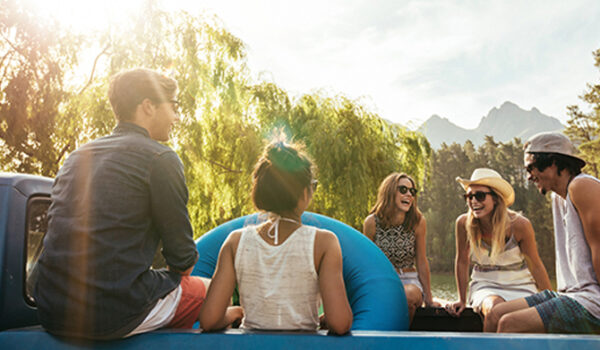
385, 206
501, 221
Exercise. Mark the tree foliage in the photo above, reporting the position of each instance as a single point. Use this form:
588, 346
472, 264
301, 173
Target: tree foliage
34, 115
227, 117
584, 128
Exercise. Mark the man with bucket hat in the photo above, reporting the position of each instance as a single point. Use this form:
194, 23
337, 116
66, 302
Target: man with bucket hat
552, 164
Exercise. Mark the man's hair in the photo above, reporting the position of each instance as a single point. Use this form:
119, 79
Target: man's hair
543, 160
129, 88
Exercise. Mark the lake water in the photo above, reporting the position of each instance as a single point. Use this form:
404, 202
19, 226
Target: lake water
443, 286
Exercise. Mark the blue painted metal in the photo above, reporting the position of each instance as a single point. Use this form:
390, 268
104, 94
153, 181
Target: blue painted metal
15, 191
35, 339
374, 290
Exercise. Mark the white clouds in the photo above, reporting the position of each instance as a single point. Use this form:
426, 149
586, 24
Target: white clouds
416, 58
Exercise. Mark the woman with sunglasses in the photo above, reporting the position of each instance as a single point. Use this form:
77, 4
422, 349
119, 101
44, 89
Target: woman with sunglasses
501, 245
398, 228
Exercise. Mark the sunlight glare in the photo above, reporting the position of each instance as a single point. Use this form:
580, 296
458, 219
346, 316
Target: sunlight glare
85, 16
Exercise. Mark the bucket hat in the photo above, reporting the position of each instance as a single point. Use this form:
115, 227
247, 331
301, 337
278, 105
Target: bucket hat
552, 142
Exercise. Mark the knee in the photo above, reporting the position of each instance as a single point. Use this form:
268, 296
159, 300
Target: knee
493, 316
490, 303
505, 323
413, 295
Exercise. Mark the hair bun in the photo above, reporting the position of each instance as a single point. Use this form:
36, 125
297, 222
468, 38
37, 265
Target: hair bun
285, 157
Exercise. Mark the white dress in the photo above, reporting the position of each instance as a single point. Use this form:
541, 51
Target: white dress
507, 276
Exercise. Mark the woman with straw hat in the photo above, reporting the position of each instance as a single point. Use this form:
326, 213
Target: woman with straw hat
501, 245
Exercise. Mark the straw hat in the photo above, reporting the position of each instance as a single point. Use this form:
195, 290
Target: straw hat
490, 178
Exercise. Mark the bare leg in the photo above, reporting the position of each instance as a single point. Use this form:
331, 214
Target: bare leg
414, 299
495, 314
522, 321
486, 307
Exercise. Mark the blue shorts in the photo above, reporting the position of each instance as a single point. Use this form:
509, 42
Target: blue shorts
562, 314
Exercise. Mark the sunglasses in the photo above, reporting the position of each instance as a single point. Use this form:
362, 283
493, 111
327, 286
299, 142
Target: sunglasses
529, 167
540, 163
479, 195
313, 184
403, 189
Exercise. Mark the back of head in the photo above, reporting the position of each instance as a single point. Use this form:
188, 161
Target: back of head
280, 177
129, 88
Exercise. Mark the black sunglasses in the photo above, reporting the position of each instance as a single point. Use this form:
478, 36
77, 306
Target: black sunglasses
479, 195
529, 167
403, 189
313, 184
540, 162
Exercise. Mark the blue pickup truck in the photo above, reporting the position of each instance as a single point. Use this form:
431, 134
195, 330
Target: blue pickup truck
24, 201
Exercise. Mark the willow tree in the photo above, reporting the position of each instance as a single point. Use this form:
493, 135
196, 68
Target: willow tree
35, 57
226, 117
353, 148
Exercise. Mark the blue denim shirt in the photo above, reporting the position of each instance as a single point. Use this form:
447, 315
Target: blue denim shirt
113, 201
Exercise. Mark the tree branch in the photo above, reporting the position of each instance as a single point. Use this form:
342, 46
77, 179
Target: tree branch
94, 69
14, 47
223, 166
62, 152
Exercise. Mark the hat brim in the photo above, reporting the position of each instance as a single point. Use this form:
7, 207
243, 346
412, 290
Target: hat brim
499, 185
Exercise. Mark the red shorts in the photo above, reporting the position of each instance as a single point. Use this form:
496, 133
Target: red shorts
193, 293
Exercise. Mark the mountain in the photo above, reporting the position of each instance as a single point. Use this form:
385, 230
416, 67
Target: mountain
504, 124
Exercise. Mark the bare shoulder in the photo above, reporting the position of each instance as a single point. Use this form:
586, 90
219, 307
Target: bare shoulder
585, 189
370, 226
370, 220
233, 240
325, 238
520, 222
326, 244
421, 226
521, 227
461, 220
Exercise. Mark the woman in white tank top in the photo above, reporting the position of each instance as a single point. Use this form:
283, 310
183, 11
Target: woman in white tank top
283, 269
500, 244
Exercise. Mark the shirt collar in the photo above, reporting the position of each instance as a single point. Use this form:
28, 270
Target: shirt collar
126, 127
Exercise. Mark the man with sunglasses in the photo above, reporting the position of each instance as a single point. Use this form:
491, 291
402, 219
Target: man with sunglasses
552, 165
113, 202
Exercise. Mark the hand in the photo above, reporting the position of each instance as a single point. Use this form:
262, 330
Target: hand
456, 308
322, 322
234, 315
432, 303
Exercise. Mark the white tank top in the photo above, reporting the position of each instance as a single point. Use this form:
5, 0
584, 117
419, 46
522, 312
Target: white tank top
575, 276
278, 285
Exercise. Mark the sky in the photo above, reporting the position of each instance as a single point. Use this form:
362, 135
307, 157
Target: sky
407, 60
